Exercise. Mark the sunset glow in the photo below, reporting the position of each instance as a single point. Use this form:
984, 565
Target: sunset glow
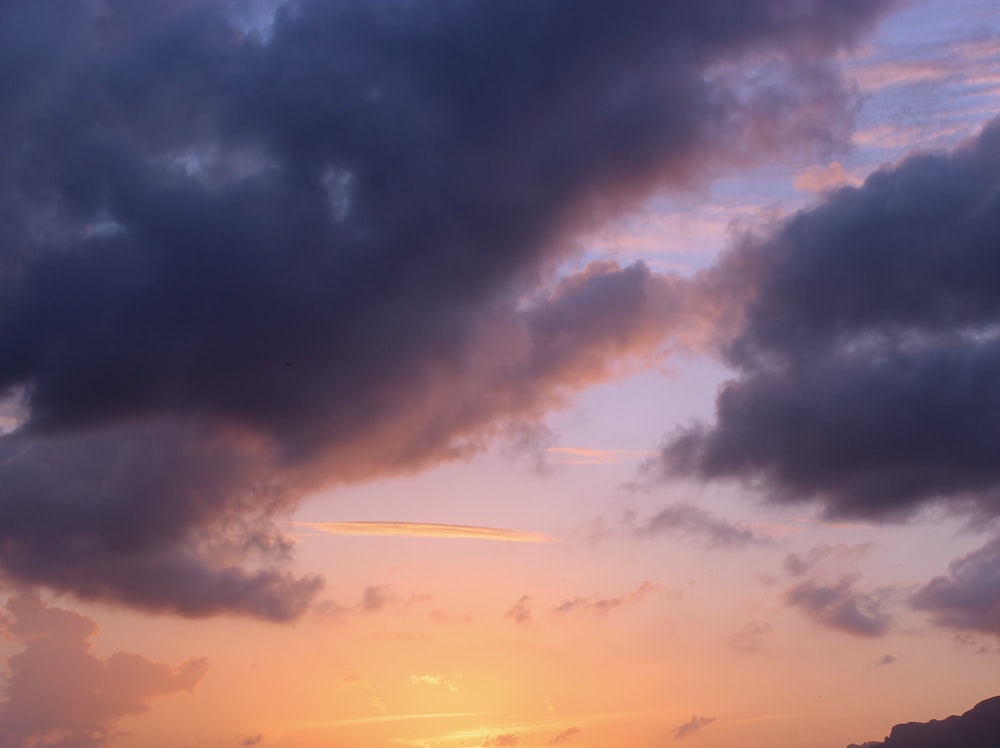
497, 373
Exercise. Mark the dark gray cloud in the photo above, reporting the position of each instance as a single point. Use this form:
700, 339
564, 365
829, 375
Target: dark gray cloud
886, 659
692, 726
968, 597
841, 606
59, 694
689, 520
322, 251
869, 354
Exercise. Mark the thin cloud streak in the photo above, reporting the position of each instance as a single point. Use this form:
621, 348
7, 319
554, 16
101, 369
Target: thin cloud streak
386, 718
427, 530
585, 456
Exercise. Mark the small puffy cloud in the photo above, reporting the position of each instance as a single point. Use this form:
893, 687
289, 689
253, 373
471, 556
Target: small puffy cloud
692, 726
688, 520
886, 659
520, 612
58, 686
968, 597
798, 565
251, 740
602, 605
569, 732
841, 606
375, 598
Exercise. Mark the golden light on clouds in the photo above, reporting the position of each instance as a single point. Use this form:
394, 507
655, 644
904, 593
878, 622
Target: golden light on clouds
426, 530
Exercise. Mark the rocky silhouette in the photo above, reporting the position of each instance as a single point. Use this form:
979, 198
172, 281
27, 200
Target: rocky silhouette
977, 728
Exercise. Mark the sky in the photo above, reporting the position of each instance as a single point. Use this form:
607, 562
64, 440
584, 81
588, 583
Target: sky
491, 373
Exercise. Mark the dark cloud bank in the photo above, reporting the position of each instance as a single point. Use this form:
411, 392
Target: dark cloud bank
236, 266
868, 363
870, 353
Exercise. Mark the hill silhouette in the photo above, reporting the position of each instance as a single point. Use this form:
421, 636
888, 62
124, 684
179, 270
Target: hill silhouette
977, 728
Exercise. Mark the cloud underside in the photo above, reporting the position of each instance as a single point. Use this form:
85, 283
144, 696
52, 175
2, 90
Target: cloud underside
867, 363
968, 597
237, 267
842, 606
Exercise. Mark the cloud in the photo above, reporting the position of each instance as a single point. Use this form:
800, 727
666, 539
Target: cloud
251, 740
886, 659
867, 358
602, 605
375, 598
689, 520
692, 726
426, 530
434, 680
590, 456
751, 637
244, 259
798, 565
520, 612
60, 693
841, 606
353, 681
968, 597
565, 735
823, 178
506, 740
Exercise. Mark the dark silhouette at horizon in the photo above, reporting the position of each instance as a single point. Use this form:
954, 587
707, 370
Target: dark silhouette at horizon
977, 728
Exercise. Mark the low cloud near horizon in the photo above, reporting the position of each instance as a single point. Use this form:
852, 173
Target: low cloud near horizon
58, 686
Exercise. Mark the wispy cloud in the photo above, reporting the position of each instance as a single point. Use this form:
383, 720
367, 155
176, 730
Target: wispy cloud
386, 718
587, 456
751, 637
426, 530
565, 735
434, 680
520, 612
603, 605
686, 519
692, 726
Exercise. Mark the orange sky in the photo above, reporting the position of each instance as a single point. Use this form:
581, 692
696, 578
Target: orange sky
552, 590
